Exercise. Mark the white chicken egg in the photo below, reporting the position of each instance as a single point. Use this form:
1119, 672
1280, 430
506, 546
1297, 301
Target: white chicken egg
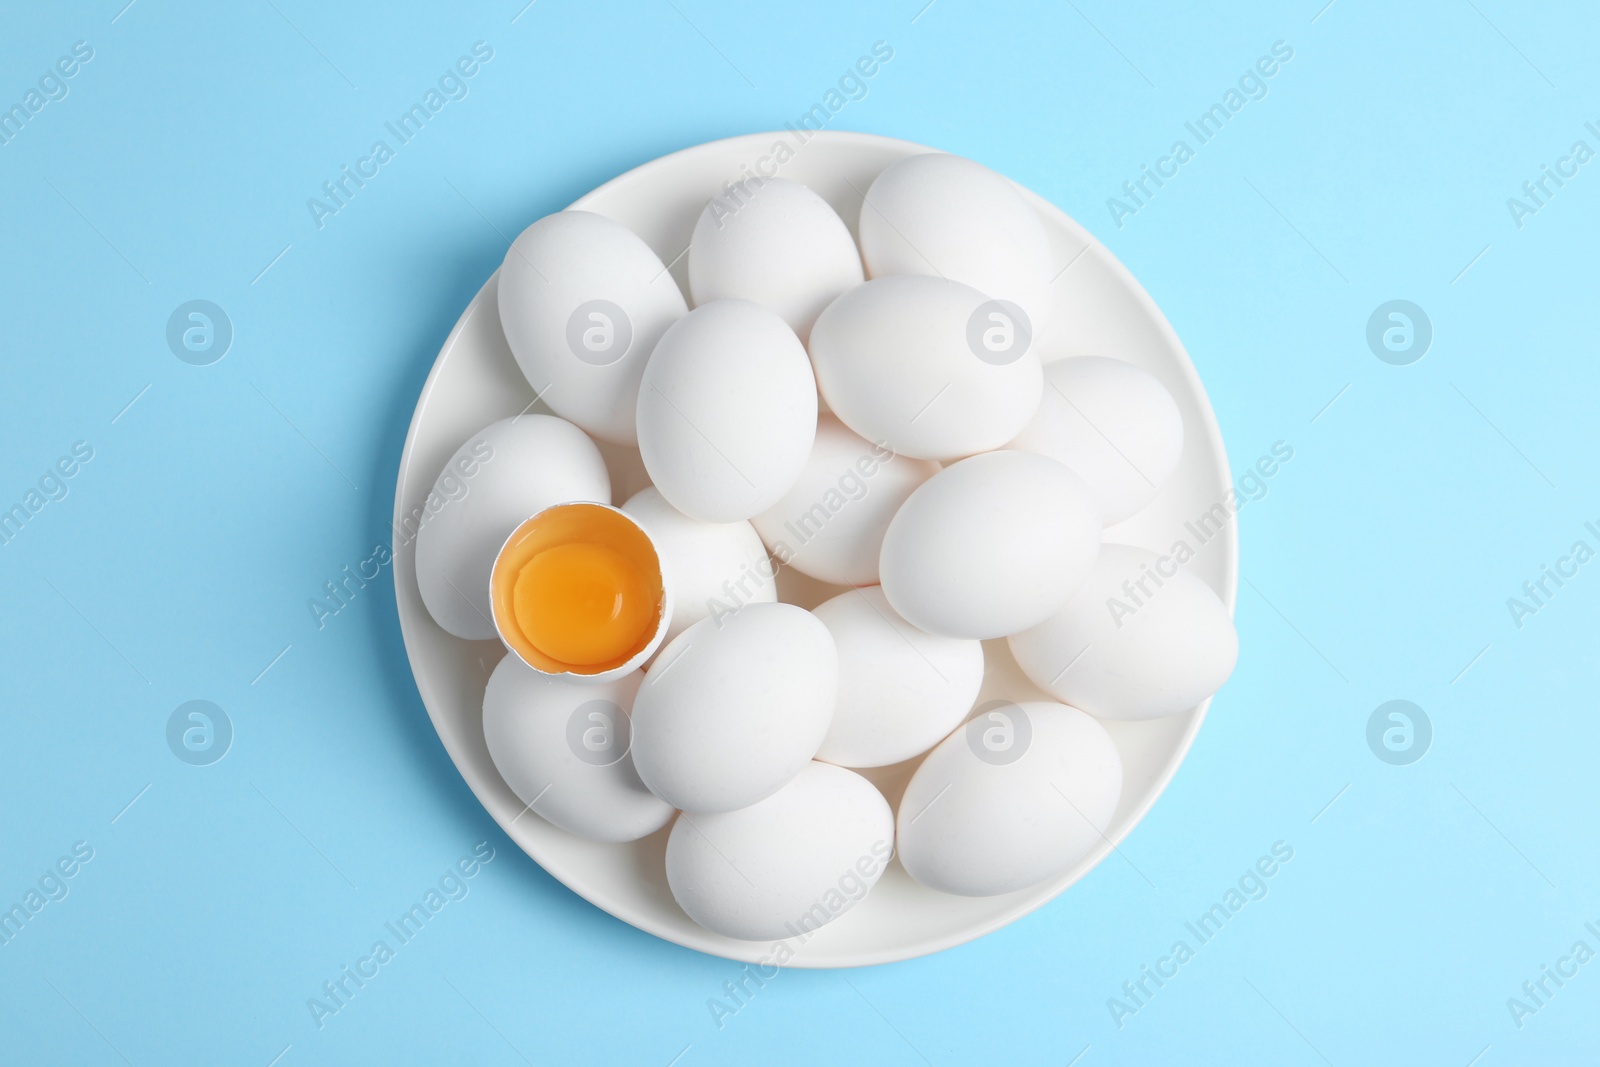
708, 564
786, 865
1141, 639
1018, 795
562, 747
505, 473
989, 546
583, 301
727, 411
830, 524
944, 215
777, 244
901, 689
735, 706
904, 361
1113, 424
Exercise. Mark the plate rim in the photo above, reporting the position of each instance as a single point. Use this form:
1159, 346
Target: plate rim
759, 951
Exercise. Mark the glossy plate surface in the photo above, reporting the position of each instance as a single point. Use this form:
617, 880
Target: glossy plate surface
474, 381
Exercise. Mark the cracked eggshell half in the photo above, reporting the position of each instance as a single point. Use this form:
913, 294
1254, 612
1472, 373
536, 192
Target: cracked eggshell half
579, 591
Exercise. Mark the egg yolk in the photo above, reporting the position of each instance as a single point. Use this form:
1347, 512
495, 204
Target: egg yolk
582, 603
577, 589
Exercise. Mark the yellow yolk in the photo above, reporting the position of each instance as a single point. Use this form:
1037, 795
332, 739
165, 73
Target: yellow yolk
583, 604
578, 589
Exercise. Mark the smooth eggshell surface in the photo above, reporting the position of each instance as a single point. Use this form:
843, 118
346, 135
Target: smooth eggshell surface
1141, 639
786, 865
775, 243
990, 546
1018, 795
1113, 424
506, 473
707, 564
901, 689
830, 524
735, 706
562, 747
944, 215
727, 411
583, 301
900, 360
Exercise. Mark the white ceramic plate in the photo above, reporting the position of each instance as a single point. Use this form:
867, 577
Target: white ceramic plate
475, 381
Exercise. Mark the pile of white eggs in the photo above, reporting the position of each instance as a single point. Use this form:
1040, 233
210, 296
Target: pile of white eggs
878, 418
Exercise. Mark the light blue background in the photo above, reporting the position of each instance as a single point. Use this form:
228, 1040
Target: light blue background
1377, 167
